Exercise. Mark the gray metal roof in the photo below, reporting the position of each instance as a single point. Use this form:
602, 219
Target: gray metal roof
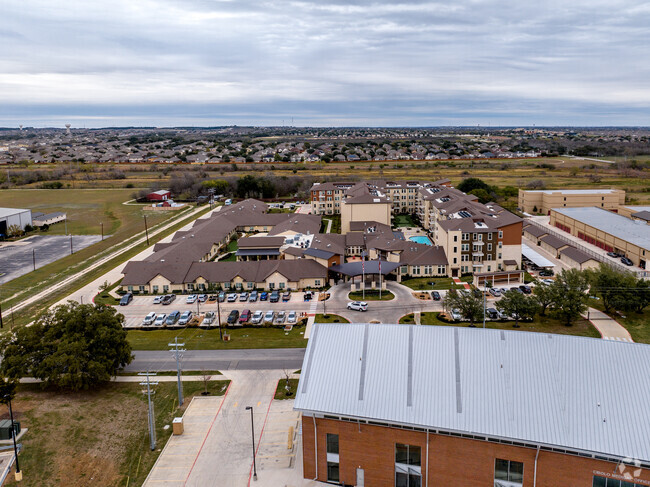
577, 393
5, 212
535, 257
608, 222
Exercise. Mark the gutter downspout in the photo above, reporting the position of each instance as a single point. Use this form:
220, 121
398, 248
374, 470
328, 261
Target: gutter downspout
535, 474
426, 480
315, 447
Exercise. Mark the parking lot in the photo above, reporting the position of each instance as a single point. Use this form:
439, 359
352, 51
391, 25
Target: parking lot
17, 258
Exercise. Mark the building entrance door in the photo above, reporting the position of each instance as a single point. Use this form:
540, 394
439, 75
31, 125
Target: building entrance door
360, 477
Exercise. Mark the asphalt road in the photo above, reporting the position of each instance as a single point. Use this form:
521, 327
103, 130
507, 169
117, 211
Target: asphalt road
252, 359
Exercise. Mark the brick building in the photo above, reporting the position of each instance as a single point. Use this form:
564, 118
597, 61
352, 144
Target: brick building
413, 406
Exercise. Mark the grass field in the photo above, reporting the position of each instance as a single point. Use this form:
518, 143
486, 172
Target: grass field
198, 339
330, 318
541, 324
371, 295
97, 437
404, 220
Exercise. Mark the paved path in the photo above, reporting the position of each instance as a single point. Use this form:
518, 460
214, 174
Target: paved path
223, 360
609, 328
461, 283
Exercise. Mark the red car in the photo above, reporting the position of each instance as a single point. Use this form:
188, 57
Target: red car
245, 316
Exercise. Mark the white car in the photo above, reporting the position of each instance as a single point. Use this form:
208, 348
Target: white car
268, 317
157, 299
160, 319
186, 317
149, 319
291, 317
191, 299
547, 282
358, 306
232, 297
209, 317
257, 317
455, 315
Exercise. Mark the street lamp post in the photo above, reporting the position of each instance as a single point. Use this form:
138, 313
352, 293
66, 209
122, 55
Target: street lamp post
19, 475
253, 437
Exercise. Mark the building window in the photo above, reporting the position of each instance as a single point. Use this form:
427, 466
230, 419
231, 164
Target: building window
282, 285
141, 289
455, 249
475, 236
250, 285
408, 469
226, 285
489, 247
500, 233
129, 288
317, 282
271, 285
609, 482
416, 270
238, 285
465, 248
465, 236
441, 269
489, 236
511, 473
155, 289
455, 238
332, 457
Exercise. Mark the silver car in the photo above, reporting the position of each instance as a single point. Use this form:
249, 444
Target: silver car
257, 317
160, 319
268, 317
291, 317
279, 318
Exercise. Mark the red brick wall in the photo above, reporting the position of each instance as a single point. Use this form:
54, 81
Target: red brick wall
452, 461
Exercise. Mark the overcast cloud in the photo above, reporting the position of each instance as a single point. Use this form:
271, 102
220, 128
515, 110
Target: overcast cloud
324, 62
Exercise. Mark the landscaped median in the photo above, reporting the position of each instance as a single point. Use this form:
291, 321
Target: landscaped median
541, 324
434, 283
330, 318
371, 295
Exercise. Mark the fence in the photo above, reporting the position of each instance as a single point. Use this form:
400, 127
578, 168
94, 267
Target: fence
591, 253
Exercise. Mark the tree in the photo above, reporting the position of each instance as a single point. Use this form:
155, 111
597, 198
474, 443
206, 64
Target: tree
14, 231
570, 295
517, 305
545, 297
7, 390
467, 304
614, 287
220, 186
482, 195
469, 184
74, 346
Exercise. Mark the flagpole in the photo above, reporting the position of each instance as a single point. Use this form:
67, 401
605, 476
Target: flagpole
363, 275
380, 278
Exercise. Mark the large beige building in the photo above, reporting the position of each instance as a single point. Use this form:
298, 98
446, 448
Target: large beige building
364, 204
607, 230
542, 201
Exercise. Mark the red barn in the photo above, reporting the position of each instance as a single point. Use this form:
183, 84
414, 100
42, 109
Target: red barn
161, 195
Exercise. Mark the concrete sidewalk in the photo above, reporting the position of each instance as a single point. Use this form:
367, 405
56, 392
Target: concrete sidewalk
609, 328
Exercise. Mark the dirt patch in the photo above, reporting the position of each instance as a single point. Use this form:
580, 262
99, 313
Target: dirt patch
423, 296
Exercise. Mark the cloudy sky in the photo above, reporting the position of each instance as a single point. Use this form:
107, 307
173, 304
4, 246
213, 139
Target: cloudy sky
324, 62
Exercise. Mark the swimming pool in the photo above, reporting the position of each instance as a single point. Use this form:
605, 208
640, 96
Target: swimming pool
421, 240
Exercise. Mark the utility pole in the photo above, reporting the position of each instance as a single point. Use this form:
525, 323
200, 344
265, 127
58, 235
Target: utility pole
484, 300
146, 230
19, 474
177, 351
250, 408
71, 251
219, 318
102, 224
152, 419
211, 191
34, 258
1, 324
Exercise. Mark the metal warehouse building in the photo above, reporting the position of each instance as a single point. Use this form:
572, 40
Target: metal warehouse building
14, 216
607, 230
413, 406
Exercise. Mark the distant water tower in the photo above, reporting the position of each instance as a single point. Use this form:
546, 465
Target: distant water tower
67, 128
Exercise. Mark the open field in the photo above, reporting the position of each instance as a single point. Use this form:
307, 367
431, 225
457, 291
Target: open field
240, 338
95, 437
541, 324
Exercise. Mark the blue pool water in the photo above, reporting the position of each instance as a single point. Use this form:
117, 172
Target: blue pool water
421, 240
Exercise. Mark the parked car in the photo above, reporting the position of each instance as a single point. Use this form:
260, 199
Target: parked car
547, 281
209, 318
274, 297
221, 297
232, 297
525, 289
168, 299
173, 317
253, 297
280, 317
436, 295
494, 292
492, 314
613, 254
158, 299
455, 315
126, 299
149, 319
185, 318
203, 298
232, 317
268, 317
243, 296
546, 272
307, 296
291, 317
212, 297
286, 296
245, 316
257, 317
191, 299
160, 319
626, 261
264, 296
358, 306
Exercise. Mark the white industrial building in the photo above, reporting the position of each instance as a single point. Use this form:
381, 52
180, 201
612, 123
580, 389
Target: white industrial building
14, 216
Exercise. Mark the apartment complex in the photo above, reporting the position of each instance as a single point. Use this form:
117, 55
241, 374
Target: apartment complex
542, 201
607, 230
471, 407
475, 237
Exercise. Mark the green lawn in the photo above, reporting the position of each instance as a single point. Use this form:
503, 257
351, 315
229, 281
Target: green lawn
199, 339
404, 220
540, 324
336, 223
330, 318
420, 283
105, 298
638, 324
100, 434
371, 295
281, 391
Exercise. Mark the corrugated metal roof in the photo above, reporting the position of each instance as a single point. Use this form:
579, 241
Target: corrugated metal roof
535, 257
570, 392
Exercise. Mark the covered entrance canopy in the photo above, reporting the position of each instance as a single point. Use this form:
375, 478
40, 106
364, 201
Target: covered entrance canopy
358, 268
534, 257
